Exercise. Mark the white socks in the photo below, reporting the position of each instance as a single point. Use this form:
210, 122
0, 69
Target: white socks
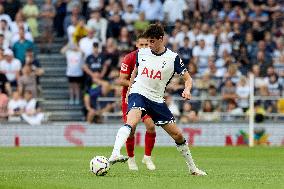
185, 152
121, 137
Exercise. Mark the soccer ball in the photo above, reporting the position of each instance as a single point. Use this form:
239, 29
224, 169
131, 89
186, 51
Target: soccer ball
99, 165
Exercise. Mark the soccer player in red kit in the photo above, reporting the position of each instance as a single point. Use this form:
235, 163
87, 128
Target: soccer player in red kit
127, 66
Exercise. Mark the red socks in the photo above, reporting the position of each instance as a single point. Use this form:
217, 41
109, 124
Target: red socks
149, 144
130, 146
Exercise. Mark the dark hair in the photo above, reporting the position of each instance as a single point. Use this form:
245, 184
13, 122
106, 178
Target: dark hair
95, 44
141, 35
154, 31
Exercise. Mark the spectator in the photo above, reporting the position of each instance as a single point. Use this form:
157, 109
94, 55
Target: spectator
74, 72
258, 15
114, 26
124, 41
251, 45
130, 16
5, 86
185, 51
94, 111
4, 16
71, 29
3, 45
188, 115
262, 62
274, 86
233, 73
80, 31
259, 81
99, 24
7, 34
75, 13
207, 36
201, 55
60, 9
212, 70
11, 67
18, 23
228, 91
31, 12
237, 15
16, 106
234, 112
113, 8
95, 63
86, 43
32, 112
11, 7
213, 94
3, 106
141, 23
95, 4
225, 40
243, 91
111, 55
193, 33
225, 11
21, 46
152, 10
27, 81
208, 113
47, 14
174, 10
179, 38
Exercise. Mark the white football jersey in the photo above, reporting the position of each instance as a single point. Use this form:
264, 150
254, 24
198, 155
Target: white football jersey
155, 72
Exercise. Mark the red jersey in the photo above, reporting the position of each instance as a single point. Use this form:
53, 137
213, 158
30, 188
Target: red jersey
127, 66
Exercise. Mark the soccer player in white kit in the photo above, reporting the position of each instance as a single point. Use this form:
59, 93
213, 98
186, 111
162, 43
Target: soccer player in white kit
155, 66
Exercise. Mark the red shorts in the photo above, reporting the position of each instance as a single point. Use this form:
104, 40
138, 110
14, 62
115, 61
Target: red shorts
124, 112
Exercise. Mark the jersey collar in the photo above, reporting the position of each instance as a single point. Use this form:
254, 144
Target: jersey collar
160, 54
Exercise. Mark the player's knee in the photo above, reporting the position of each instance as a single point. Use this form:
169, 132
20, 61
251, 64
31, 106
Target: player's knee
150, 127
132, 121
151, 130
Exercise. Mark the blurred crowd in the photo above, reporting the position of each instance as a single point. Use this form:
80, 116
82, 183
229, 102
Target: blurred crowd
220, 41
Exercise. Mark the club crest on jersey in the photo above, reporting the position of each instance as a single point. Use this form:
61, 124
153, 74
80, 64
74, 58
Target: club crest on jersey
152, 73
164, 63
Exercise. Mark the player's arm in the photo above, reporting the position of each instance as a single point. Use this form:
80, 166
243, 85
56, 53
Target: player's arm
187, 85
181, 70
123, 80
125, 72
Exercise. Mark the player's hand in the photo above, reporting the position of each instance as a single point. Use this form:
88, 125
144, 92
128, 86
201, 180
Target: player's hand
186, 94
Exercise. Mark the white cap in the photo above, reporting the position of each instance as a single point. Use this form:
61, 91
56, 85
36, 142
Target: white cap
8, 52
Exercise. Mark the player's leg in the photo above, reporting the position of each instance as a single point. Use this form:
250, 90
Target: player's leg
162, 116
130, 142
133, 118
183, 148
150, 137
136, 105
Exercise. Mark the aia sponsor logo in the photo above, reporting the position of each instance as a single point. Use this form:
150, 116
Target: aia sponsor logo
152, 73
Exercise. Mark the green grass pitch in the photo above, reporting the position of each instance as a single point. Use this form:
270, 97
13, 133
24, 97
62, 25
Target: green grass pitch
228, 167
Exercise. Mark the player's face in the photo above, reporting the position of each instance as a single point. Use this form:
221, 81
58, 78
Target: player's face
155, 44
142, 43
